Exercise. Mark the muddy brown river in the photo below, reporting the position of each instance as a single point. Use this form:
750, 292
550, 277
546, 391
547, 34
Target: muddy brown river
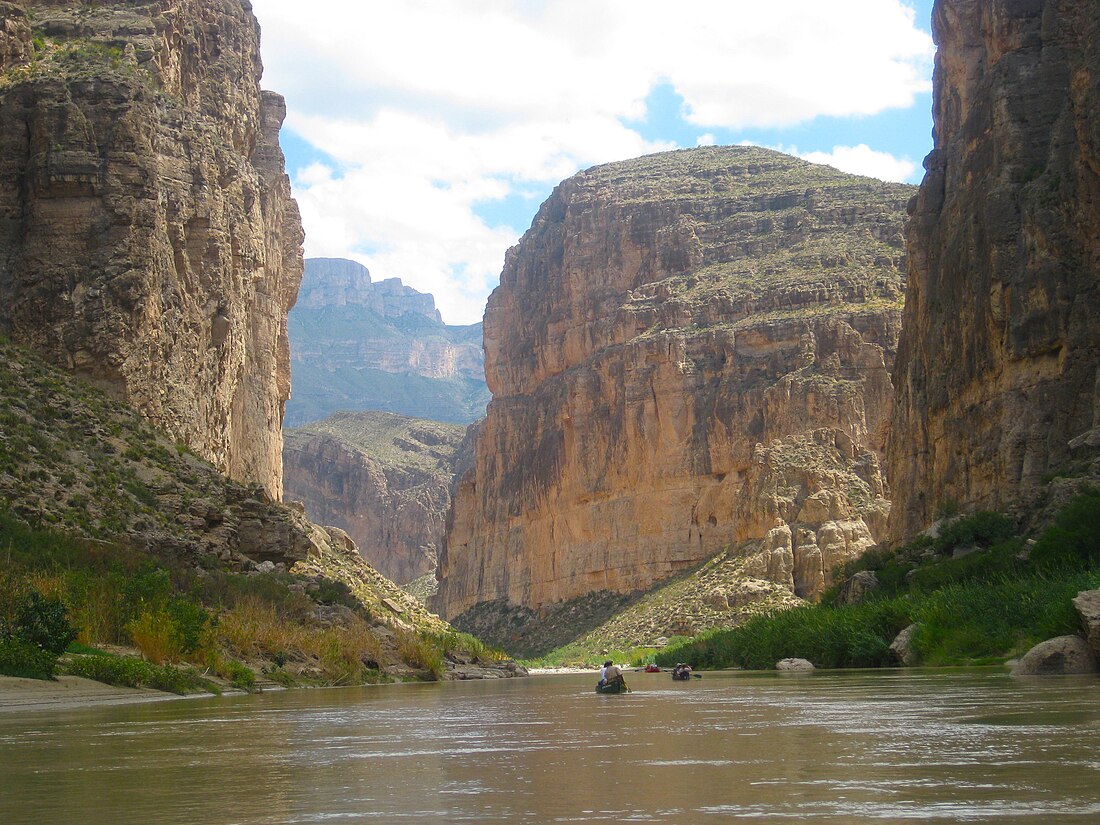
839, 747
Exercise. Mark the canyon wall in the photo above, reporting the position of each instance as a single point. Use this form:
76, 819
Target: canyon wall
385, 479
357, 344
998, 367
687, 351
148, 239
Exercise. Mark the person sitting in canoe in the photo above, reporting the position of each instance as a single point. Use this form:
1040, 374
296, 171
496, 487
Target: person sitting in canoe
611, 675
682, 672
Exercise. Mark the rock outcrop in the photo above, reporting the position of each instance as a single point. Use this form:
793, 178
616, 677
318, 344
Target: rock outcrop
998, 366
360, 345
1060, 656
1087, 604
148, 239
687, 351
383, 478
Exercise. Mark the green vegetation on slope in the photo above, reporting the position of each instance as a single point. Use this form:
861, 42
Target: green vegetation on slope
976, 594
392, 440
102, 515
184, 621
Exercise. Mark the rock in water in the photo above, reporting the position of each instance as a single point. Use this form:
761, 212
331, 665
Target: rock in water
794, 665
150, 242
1061, 656
1088, 606
902, 646
997, 365
686, 350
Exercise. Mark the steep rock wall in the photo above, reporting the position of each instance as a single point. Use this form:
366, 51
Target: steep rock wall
364, 345
999, 363
148, 239
686, 351
385, 479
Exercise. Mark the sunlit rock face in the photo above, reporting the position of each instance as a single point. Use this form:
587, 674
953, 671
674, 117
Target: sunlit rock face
999, 363
686, 351
149, 240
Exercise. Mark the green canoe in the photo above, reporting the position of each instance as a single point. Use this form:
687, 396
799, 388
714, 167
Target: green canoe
617, 687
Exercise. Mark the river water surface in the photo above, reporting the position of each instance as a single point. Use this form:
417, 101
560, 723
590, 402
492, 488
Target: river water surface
842, 747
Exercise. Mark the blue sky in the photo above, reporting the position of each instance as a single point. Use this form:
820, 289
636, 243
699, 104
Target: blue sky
422, 135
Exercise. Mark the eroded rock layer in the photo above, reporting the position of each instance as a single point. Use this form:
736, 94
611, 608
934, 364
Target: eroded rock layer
148, 240
385, 479
999, 364
687, 350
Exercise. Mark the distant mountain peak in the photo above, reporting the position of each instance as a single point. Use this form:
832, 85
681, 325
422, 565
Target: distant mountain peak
338, 282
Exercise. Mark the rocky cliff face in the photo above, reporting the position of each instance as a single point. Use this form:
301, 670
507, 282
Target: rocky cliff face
361, 345
686, 351
998, 365
148, 240
383, 478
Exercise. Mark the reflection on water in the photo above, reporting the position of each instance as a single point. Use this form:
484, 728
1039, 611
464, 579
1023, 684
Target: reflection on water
830, 747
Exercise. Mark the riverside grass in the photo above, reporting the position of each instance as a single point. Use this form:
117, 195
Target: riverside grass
219, 623
983, 608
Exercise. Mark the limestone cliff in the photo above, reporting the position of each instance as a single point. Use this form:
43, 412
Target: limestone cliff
362, 345
383, 478
148, 240
686, 351
999, 363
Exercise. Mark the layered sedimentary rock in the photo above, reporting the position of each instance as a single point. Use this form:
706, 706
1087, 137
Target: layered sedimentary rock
148, 240
385, 479
364, 345
687, 351
999, 365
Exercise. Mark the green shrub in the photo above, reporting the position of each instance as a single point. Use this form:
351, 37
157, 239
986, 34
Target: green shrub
239, 675
1074, 537
994, 619
127, 671
42, 622
854, 636
21, 658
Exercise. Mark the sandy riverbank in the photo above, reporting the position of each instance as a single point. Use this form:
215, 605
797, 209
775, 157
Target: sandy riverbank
68, 693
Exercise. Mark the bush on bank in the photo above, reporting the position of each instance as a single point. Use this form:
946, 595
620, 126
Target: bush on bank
984, 607
181, 620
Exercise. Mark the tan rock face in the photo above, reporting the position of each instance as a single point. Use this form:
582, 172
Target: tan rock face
998, 363
385, 479
686, 351
150, 241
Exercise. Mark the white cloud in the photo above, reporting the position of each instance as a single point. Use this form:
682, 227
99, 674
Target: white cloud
863, 160
428, 109
706, 139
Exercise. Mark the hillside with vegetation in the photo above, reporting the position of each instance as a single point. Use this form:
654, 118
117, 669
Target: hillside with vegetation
138, 547
385, 479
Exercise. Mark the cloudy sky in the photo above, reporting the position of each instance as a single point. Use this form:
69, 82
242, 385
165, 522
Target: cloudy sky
422, 135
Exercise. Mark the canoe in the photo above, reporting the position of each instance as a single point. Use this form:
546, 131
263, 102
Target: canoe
617, 687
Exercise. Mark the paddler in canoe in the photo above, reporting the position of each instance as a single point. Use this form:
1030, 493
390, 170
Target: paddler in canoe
611, 679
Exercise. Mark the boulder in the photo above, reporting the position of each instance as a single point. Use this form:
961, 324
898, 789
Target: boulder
902, 647
1063, 655
794, 665
1088, 605
857, 586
